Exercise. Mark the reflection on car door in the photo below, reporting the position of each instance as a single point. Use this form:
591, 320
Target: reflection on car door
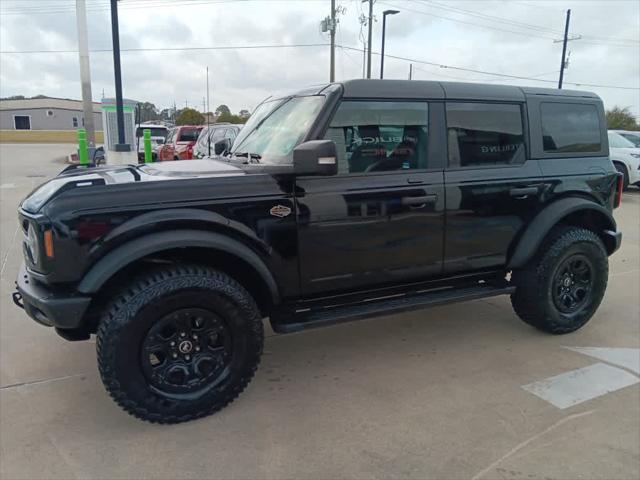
381, 218
491, 187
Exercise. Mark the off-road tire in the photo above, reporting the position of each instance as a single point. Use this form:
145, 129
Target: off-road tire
620, 167
533, 299
133, 312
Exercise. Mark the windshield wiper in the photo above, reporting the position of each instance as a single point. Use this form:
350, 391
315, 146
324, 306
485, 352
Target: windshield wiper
251, 157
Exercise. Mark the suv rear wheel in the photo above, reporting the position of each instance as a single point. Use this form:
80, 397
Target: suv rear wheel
561, 288
179, 343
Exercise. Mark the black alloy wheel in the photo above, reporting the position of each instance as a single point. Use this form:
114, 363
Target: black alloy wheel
186, 351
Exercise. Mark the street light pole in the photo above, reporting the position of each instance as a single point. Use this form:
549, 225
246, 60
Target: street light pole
121, 146
384, 28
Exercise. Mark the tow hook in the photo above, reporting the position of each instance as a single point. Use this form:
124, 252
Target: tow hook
17, 299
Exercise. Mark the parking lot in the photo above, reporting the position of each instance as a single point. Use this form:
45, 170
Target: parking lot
457, 392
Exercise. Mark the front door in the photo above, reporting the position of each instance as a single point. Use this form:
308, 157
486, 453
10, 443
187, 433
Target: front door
492, 189
380, 220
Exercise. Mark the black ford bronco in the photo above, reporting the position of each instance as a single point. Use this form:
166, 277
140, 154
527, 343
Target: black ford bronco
339, 202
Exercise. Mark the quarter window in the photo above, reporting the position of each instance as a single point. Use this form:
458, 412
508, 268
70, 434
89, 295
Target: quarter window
380, 136
484, 134
570, 128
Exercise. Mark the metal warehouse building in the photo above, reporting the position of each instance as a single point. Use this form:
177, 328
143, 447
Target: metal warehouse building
45, 114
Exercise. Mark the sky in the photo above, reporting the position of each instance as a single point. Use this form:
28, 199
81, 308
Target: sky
445, 40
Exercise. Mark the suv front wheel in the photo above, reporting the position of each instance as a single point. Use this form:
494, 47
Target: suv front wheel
563, 285
178, 343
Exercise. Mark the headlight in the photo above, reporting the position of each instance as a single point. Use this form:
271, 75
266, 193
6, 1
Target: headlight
31, 240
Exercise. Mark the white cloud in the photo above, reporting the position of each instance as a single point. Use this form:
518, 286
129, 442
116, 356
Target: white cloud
241, 78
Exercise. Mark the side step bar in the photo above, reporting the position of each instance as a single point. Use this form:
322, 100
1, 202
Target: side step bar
320, 317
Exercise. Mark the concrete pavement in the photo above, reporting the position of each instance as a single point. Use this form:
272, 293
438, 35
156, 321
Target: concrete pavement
429, 394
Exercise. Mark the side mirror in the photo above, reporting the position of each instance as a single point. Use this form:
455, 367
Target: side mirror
221, 146
316, 157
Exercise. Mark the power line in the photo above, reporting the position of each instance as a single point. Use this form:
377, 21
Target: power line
171, 49
504, 75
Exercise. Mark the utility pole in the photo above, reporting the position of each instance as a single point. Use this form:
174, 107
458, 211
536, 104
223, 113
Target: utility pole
208, 116
121, 146
564, 48
85, 72
410, 70
370, 26
332, 54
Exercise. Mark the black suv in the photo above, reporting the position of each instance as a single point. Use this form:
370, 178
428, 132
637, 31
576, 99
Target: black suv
335, 203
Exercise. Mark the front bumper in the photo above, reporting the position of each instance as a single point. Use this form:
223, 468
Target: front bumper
64, 311
614, 240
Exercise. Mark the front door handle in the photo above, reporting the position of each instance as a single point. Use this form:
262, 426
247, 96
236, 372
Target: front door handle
418, 202
523, 192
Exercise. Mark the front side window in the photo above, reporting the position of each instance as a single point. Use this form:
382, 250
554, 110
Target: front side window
484, 134
380, 136
570, 128
277, 127
633, 138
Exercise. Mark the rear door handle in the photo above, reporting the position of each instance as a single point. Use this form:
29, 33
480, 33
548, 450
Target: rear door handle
523, 192
418, 202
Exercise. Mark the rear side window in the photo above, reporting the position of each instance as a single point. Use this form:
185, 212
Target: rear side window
570, 128
189, 135
484, 134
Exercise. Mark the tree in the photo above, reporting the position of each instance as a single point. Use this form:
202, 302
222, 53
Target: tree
189, 116
230, 118
222, 109
621, 119
147, 112
245, 114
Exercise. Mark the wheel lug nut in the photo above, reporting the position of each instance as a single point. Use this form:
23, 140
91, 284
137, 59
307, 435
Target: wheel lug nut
182, 334
175, 355
197, 349
173, 344
187, 357
194, 336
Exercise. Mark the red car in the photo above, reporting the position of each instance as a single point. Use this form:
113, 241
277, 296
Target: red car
179, 143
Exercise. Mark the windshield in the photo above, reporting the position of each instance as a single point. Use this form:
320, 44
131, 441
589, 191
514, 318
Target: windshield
276, 127
155, 131
618, 141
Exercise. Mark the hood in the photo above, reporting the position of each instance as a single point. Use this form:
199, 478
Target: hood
81, 177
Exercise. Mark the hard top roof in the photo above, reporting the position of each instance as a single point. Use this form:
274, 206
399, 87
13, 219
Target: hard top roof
374, 88
370, 88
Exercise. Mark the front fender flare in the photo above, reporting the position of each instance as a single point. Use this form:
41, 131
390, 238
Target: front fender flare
545, 220
146, 245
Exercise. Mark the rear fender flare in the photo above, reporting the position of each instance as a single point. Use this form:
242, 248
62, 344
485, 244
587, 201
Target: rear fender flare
146, 245
544, 221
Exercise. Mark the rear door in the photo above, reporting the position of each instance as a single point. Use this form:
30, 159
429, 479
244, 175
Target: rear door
492, 187
380, 220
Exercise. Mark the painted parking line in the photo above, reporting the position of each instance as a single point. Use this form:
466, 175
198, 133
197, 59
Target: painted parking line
6, 186
577, 386
628, 358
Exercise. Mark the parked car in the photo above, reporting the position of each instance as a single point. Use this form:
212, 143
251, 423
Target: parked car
179, 143
337, 203
633, 137
158, 136
212, 134
626, 158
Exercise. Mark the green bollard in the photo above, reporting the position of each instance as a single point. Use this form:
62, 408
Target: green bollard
83, 152
148, 158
